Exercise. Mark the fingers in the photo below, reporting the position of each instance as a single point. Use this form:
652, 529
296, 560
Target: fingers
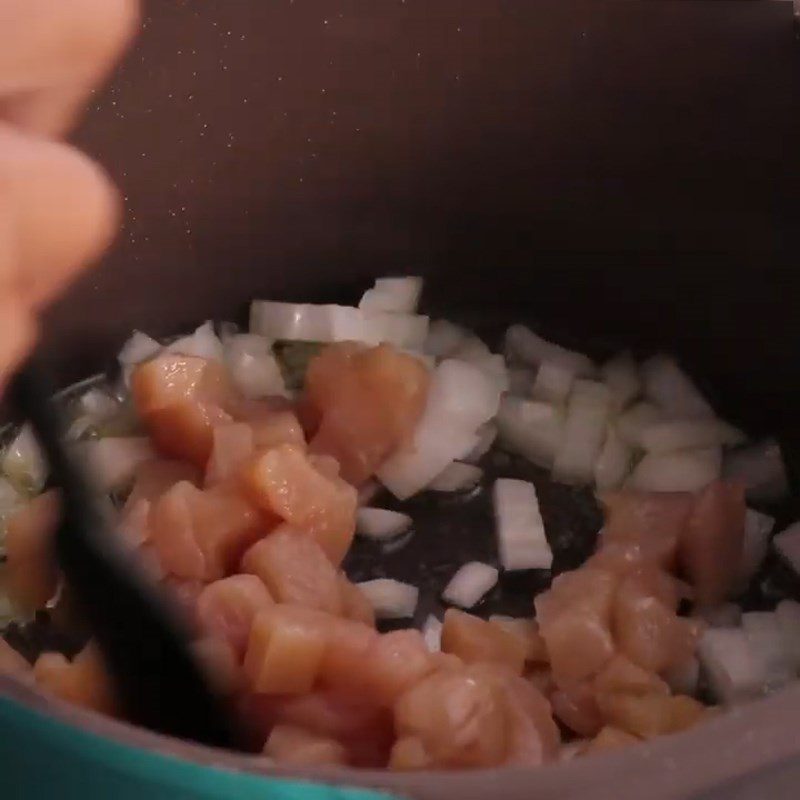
53, 52
62, 212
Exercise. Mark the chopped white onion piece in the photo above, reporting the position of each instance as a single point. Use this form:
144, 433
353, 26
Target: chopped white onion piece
432, 633
632, 423
553, 382
669, 387
444, 338
588, 410
112, 462
787, 543
460, 399
684, 678
380, 523
203, 343
254, 370
390, 599
767, 642
760, 467
724, 615
471, 349
613, 463
522, 344
470, 584
621, 375
456, 477
139, 347
757, 528
395, 295
530, 429
10, 501
521, 539
733, 670
98, 404
788, 616
520, 381
671, 435
487, 433
23, 462
494, 367
686, 471
332, 323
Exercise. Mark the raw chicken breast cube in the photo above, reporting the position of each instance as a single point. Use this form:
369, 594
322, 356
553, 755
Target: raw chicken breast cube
475, 640
288, 744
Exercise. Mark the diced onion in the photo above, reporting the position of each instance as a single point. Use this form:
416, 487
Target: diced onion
139, 347
530, 429
460, 399
470, 584
584, 430
444, 338
734, 672
553, 382
395, 295
632, 423
686, 471
669, 387
456, 477
767, 643
380, 523
757, 528
112, 462
787, 544
724, 615
522, 344
203, 343
671, 435
760, 468
332, 323
390, 599
621, 375
432, 633
98, 404
487, 433
684, 678
613, 463
10, 502
520, 381
253, 367
788, 616
23, 462
521, 539
471, 349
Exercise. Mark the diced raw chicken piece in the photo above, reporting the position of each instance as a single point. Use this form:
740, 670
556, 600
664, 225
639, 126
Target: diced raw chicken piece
654, 520
576, 707
684, 678
355, 605
712, 542
272, 423
574, 619
288, 744
368, 401
221, 664
345, 656
32, 577
83, 681
295, 569
622, 675
610, 738
181, 400
647, 630
527, 630
155, 478
475, 640
226, 608
285, 649
394, 662
285, 483
650, 715
234, 445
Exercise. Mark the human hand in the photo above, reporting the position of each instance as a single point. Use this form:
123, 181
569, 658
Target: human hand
58, 210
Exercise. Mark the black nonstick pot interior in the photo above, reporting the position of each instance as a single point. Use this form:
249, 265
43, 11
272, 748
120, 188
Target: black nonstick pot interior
614, 173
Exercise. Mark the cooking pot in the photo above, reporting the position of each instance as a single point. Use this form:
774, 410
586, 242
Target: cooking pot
617, 172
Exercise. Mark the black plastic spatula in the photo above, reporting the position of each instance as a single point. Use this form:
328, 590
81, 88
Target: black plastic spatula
158, 682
